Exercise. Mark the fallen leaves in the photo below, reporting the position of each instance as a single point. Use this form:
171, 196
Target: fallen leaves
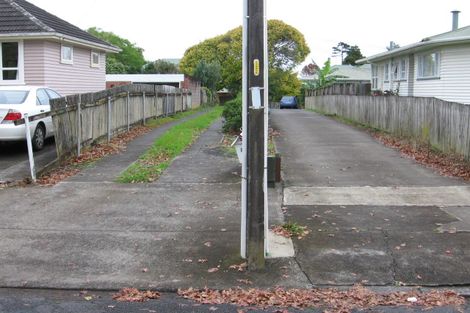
73, 165
290, 230
134, 295
335, 300
445, 164
213, 270
239, 267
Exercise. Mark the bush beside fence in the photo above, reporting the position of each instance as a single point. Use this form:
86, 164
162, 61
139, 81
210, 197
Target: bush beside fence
444, 125
80, 120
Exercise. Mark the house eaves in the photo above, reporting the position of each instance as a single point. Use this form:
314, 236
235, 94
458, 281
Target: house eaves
427, 43
61, 38
20, 19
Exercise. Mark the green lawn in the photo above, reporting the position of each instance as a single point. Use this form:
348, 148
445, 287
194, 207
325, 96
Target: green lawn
168, 146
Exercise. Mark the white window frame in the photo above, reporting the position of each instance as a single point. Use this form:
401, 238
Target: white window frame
66, 61
386, 68
420, 68
375, 77
403, 69
395, 70
19, 68
92, 64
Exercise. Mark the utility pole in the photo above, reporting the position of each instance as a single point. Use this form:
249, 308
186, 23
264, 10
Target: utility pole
254, 131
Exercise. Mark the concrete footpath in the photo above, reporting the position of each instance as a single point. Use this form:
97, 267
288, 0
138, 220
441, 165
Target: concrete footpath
91, 233
375, 217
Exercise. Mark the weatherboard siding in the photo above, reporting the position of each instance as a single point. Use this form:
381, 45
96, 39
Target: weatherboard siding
454, 82
78, 77
43, 67
34, 72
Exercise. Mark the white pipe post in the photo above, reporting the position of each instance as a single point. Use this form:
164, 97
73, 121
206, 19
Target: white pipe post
128, 112
266, 132
29, 143
244, 133
79, 125
143, 108
109, 119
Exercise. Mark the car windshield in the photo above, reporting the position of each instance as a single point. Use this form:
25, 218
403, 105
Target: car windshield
288, 99
13, 96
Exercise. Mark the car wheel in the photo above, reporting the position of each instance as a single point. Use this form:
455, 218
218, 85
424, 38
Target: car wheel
39, 138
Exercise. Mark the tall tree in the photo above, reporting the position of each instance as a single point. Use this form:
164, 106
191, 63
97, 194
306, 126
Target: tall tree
353, 55
129, 61
209, 74
160, 67
341, 50
349, 54
286, 49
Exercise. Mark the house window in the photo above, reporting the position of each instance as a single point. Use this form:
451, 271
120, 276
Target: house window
386, 72
375, 77
66, 53
403, 69
428, 65
95, 59
395, 66
11, 62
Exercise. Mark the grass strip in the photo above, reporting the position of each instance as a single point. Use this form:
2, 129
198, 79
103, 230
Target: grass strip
172, 143
159, 121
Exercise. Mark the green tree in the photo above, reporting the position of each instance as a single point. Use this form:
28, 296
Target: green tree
129, 61
349, 54
341, 50
353, 55
209, 74
287, 48
160, 67
325, 77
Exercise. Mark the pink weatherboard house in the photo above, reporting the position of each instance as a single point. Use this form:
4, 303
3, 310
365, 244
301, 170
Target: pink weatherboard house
38, 48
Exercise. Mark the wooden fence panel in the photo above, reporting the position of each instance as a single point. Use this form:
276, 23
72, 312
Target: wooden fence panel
126, 105
442, 124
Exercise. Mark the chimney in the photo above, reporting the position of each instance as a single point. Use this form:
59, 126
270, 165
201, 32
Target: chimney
455, 20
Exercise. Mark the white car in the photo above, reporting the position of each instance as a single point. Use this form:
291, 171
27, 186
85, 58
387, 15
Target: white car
15, 101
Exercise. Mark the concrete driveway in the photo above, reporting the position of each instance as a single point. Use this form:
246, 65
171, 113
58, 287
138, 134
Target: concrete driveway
14, 164
90, 232
376, 217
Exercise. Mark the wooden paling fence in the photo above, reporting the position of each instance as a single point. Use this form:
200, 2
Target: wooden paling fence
81, 120
444, 125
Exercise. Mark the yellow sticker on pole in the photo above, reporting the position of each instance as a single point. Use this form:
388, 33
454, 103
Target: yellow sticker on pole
256, 67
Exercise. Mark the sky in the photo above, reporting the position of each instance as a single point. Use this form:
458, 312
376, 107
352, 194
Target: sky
166, 28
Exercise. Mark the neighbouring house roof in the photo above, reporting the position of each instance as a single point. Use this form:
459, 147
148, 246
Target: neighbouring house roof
146, 78
19, 18
458, 36
347, 73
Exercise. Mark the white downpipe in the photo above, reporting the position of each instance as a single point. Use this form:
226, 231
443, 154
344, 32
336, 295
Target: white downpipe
244, 129
266, 130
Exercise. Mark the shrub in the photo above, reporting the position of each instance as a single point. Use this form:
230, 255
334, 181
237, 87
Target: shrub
232, 114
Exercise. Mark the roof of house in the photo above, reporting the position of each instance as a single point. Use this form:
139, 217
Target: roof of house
21, 18
146, 78
461, 35
348, 73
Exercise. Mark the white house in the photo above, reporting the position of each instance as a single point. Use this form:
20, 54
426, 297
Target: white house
38, 48
437, 66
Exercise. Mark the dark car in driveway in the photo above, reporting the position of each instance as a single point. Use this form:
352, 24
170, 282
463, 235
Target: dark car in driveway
289, 102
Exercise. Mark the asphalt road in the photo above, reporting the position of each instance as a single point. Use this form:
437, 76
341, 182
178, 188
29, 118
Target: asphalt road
57, 301
14, 164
